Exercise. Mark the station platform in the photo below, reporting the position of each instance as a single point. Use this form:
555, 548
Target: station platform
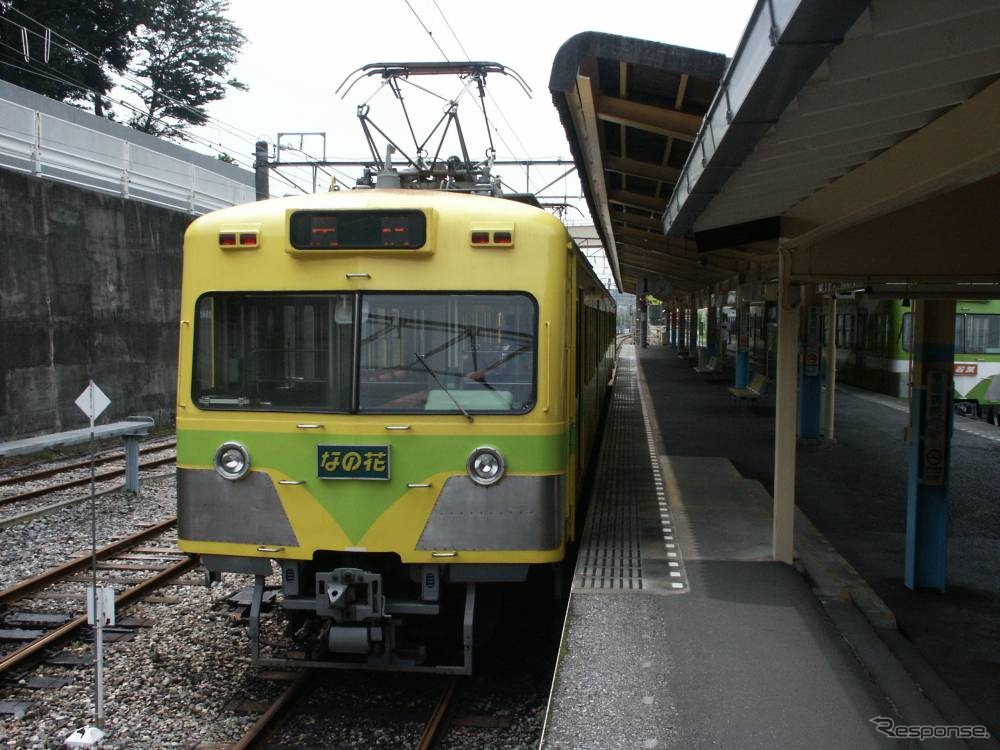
681, 632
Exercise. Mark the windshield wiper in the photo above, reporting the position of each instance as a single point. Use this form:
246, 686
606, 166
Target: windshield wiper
427, 367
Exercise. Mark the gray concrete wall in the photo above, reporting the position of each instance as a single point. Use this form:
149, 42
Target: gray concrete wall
89, 288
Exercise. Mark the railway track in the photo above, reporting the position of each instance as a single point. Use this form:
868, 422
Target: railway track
105, 458
268, 720
435, 724
278, 712
36, 631
79, 481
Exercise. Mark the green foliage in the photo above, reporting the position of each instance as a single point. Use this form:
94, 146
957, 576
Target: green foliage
226, 158
185, 51
181, 49
105, 28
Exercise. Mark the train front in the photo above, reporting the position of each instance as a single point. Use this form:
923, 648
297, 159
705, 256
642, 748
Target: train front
372, 395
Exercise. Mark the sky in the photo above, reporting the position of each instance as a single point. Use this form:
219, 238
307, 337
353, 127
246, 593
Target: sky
299, 51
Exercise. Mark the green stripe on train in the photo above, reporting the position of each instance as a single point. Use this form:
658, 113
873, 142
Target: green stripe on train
356, 504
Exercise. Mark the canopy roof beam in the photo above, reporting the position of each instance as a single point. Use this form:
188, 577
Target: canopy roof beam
648, 117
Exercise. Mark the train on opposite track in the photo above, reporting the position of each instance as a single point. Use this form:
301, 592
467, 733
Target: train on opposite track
874, 350
392, 397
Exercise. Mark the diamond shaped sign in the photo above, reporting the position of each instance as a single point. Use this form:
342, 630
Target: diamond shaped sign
93, 401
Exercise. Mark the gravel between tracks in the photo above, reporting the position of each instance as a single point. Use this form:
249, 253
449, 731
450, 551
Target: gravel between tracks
186, 680
28, 548
166, 688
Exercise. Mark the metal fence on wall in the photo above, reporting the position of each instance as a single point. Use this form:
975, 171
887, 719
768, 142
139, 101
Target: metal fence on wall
55, 148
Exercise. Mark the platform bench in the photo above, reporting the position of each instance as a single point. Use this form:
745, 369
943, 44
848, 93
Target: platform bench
130, 430
754, 390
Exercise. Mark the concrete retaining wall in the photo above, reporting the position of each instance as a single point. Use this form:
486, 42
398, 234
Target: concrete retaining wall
89, 288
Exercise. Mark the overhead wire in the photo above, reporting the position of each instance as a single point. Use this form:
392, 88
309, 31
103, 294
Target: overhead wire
429, 32
84, 87
242, 135
524, 150
446, 23
74, 47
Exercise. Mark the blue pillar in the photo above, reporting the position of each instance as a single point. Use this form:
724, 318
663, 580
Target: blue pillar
930, 445
810, 382
742, 345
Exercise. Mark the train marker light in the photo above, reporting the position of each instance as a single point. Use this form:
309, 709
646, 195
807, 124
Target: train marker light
485, 466
240, 237
232, 461
488, 237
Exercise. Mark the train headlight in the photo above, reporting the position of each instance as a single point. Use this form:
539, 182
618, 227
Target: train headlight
485, 466
232, 461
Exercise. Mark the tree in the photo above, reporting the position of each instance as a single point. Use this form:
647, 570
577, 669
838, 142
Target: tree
86, 38
185, 52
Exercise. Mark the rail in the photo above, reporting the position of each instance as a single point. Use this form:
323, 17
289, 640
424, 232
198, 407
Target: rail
130, 430
32, 585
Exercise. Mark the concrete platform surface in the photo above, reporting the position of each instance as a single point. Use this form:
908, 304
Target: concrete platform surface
745, 653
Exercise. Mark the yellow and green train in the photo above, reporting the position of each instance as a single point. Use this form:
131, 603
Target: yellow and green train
393, 395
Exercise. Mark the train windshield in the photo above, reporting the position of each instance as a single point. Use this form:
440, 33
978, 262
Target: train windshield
387, 353
274, 352
447, 352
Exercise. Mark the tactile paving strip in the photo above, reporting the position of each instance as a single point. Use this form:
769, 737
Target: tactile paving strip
622, 504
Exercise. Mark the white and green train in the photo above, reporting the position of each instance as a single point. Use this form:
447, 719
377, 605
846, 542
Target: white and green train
874, 348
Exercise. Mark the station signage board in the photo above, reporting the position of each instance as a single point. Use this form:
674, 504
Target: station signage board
935, 443
812, 341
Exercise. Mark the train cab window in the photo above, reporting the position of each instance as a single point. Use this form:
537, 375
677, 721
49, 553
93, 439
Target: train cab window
416, 352
273, 352
447, 353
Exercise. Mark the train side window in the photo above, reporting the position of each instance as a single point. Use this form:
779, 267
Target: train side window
982, 334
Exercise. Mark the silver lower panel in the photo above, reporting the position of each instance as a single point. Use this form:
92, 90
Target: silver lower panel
247, 511
517, 513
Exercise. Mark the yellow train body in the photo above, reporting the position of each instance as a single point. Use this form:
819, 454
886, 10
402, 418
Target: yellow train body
516, 358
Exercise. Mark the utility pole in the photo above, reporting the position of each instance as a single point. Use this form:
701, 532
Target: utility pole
261, 176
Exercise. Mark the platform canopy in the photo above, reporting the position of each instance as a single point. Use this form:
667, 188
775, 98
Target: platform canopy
861, 136
631, 110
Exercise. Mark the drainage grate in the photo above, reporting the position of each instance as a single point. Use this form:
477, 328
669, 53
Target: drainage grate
609, 557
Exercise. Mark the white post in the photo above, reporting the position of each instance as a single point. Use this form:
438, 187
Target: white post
98, 614
829, 401
99, 656
785, 419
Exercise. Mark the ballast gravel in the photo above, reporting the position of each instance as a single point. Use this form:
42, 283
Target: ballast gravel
184, 680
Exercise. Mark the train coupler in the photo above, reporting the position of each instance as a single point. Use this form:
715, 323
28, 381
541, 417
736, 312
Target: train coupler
350, 595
